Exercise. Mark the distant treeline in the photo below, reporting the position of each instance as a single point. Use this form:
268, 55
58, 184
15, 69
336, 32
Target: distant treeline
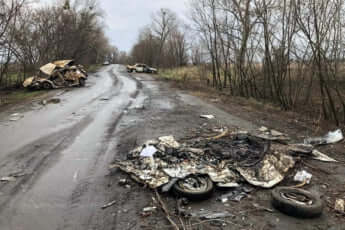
289, 52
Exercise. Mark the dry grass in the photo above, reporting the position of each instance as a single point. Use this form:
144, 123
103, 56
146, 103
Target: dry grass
9, 97
184, 74
195, 79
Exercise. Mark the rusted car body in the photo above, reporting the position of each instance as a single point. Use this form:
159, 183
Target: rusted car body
141, 68
58, 74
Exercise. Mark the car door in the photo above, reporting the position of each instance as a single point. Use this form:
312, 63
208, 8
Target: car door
140, 68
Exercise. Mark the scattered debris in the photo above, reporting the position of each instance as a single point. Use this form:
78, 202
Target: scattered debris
209, 117
329, 138
51, 101
303, 176
12, 176
192, 168
232, 196
260, 207
236, 195
301, 148
275, 133
339, 206
54, 101
16, 116
223, 133
18, 174
139, 107
263, 129
268, 136
317, 155
208, 215
148, 151
149, 209
271, 135
215, 100
308, 150
169, 142
109, 204
8, 179
123, 182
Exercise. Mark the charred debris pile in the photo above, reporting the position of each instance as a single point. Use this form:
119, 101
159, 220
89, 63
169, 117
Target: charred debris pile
237, 161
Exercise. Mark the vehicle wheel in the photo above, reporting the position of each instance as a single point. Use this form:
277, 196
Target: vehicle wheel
194, 187
81, 82
297, 202
46, 85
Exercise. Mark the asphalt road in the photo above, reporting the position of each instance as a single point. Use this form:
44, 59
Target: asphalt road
60, 154
62, 148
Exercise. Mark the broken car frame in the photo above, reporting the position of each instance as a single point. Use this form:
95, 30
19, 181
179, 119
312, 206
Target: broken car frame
63, 73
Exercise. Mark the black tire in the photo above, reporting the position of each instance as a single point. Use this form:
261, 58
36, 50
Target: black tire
202, 194
46, 85
81, 82
293, 207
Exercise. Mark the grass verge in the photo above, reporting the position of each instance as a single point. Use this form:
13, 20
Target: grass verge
11, 97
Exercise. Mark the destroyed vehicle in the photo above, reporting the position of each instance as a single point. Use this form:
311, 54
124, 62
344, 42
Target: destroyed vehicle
141, 68
193, 169
58, 74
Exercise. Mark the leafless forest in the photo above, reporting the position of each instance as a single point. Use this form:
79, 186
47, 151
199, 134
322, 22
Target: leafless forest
31, 36
288, 52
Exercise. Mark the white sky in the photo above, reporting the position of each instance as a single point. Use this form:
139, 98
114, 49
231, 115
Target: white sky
124, 18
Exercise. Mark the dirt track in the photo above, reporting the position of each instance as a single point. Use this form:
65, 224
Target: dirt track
64, 151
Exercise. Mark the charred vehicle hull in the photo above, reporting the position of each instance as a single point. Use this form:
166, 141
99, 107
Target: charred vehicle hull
58, 74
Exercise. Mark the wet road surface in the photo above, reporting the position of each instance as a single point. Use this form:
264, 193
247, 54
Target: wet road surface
61, 153
70, 141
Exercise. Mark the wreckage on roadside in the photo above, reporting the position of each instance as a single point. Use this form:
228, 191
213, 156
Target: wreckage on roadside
238, 161
58, 74
227, 161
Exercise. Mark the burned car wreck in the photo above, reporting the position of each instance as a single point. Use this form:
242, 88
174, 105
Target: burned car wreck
58, 74
189, 167
236, 161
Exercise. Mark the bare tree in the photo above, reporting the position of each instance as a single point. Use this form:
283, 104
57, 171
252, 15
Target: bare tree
163, 23
30, 37
8, 16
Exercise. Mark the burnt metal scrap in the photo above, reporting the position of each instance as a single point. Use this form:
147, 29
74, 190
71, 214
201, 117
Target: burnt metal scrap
58, 74
227, 160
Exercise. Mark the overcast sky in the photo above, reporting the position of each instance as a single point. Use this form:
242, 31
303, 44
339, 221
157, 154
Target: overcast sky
124, 18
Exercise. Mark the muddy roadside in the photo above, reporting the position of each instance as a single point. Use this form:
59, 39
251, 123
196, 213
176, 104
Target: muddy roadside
168, 111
